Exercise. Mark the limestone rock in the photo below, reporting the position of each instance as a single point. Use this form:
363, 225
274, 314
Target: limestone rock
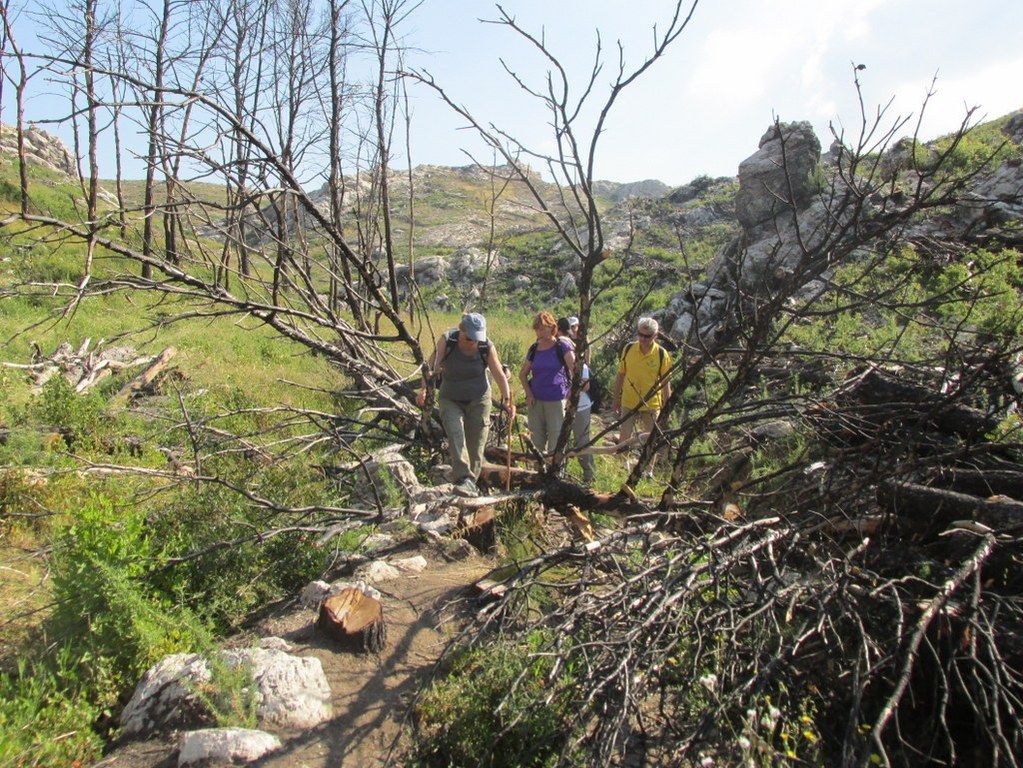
164, 699
378, 571
41, 148
416, 564
567, 287
212, 746
778, 176
276, 644
292, 692
386, 475
313, 594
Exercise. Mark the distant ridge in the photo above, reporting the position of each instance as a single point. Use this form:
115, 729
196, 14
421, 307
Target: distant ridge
619, 192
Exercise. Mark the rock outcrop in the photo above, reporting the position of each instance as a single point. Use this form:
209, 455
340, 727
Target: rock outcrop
292, 692
41, 148
777, 179
789, 205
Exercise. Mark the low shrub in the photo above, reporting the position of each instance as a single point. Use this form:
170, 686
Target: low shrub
43, 721
75, 417
492, 711
105, 608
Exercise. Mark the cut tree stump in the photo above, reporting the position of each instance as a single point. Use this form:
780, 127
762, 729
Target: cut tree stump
354, 619
479, 528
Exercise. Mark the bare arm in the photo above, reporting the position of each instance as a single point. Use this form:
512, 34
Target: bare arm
438, 354
527, 366
570, 362
616, 403
500, 378
666, 384
431, 369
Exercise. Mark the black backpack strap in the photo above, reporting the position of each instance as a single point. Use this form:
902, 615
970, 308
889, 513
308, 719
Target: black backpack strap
561, 353
559, 348
450, 341
626, 349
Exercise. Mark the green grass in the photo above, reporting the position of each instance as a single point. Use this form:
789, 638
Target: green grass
43, 720
127, 577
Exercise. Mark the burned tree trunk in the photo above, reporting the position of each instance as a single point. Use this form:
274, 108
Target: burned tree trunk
937, 507
905, 401
983, 482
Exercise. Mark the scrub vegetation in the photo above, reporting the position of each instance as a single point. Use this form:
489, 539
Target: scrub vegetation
823, 568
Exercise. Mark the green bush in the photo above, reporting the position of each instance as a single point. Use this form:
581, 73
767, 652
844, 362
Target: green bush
973, 150
116, 622
45, 722
21, 493
982, 293
230, 694
489, 711
227, 581
77, 417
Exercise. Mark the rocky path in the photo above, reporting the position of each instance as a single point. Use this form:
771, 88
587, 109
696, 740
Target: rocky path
370, 692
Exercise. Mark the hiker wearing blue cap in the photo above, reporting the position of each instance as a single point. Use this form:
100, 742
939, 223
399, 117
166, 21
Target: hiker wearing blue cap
463, 356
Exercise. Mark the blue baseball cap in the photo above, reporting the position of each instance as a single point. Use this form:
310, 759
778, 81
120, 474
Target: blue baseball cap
475, 326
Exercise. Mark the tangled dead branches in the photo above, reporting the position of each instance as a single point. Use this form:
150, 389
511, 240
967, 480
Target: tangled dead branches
909, 665
862, 609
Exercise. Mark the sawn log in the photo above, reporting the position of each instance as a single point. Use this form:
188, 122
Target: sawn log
354, 619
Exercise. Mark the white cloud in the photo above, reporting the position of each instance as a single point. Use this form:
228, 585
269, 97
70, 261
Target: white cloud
734, 66
990, 87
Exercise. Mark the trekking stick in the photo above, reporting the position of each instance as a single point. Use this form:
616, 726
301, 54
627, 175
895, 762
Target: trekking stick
507, 441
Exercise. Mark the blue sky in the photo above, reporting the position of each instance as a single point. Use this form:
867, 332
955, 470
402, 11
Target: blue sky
703, 108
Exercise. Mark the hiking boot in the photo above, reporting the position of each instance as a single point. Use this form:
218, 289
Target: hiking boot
466, 487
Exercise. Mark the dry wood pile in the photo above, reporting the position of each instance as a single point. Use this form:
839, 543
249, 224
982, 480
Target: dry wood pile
85, 367
881, 579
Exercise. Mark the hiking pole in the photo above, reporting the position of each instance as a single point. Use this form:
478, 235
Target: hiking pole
507, 441
507, 476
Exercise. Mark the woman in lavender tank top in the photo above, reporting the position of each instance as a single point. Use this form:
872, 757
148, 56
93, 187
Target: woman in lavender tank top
546, 377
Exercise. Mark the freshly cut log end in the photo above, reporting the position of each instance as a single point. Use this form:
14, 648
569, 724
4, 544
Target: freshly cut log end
479, 529
488, 590
354, 620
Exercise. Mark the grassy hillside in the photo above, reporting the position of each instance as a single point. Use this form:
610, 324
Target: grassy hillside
132, 529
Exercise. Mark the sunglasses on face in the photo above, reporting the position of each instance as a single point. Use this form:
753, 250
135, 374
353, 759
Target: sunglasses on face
646, 335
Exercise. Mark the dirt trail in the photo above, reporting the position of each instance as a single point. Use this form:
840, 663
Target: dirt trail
370, 692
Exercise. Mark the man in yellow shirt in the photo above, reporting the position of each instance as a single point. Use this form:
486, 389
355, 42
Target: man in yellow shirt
642, 386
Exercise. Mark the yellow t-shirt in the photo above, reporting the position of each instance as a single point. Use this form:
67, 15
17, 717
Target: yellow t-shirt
641, 388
